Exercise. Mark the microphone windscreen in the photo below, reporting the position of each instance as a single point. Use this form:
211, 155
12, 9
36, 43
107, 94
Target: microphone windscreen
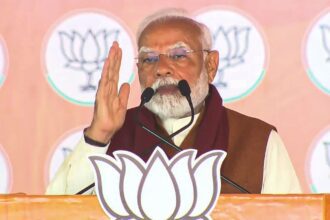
147, 95
184, 88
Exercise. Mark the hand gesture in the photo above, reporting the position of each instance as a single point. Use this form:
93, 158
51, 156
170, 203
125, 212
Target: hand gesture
110, 106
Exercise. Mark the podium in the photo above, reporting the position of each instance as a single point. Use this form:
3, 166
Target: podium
229, 206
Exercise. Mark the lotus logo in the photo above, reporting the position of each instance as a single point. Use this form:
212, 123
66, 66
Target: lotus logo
233, 43
181, 188
75, 50
326, 39
317, 52
242, 49
319, 164
86, 53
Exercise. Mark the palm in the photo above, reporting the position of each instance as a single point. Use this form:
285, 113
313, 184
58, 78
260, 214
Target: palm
110, 106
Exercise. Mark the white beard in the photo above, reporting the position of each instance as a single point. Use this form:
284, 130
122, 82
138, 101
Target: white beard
176, 106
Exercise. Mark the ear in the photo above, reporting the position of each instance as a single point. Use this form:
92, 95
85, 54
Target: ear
211, 64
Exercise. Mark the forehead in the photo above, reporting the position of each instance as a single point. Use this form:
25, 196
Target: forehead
163, 34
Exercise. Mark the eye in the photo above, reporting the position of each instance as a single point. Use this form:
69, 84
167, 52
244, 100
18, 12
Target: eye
149, 58
178, 53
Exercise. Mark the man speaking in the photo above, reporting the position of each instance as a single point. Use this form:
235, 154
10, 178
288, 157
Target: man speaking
173, 47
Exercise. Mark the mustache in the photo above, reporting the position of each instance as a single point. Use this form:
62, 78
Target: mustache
164, 82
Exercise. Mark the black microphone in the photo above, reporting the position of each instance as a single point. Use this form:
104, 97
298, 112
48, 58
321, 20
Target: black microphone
146, 95
185, 91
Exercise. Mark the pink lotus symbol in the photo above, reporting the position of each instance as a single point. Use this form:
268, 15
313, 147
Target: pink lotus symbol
181, 188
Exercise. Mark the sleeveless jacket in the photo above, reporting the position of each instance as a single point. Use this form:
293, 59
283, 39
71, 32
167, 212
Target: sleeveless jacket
244, 138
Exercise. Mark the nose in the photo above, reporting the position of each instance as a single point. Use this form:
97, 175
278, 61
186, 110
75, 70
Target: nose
164, 67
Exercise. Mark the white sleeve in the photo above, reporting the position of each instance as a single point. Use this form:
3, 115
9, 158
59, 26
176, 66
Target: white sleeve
76, 171
279, 175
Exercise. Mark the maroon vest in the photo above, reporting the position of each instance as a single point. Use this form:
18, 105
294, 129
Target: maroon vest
244, 138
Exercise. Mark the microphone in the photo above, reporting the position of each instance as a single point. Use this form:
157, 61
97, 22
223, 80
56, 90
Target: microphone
146, 96
185, 91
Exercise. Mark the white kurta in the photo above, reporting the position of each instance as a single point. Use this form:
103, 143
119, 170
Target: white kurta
76, 172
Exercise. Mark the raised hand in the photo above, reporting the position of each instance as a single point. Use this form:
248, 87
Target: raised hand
110, 106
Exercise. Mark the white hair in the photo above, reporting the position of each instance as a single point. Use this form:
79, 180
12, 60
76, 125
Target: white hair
175, 13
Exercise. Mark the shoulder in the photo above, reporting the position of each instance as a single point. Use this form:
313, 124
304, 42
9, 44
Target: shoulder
236, 119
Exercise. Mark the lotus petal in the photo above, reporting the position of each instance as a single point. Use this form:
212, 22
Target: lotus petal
158, 189
221, 42
66, 45
76, 45
325, 30
181, 167
242, 41
107, 185
109, 37
207, 177
90, 49
131, 175
103, 44
232, 44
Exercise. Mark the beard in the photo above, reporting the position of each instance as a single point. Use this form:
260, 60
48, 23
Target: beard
175, 105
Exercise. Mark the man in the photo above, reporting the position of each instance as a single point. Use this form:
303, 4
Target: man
173, 47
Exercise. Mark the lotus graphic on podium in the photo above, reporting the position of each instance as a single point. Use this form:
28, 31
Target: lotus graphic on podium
184, 187
86, 53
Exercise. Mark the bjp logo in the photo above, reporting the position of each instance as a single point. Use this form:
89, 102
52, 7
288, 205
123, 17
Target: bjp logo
233, 44
317, 52
181, 188
319, 164
243, 53
75, 52
86, 52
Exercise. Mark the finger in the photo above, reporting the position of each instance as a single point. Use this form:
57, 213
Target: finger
123, 95
112, 60
105, 69
117, 63
101, 90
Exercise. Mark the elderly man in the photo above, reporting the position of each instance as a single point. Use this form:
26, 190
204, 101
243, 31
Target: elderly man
173, 47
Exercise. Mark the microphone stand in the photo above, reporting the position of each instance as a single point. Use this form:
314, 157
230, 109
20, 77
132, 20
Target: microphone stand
145, 97
185, 91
